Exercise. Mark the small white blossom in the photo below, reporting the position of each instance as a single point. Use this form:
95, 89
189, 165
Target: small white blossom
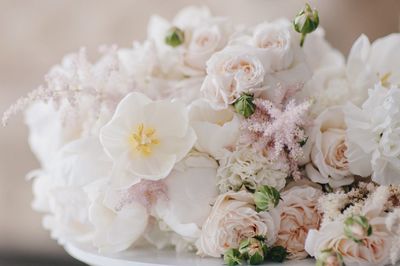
248, 168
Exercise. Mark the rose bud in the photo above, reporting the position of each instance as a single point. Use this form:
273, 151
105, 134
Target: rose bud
306, 21
244, 105
253, 250
232, 257
266, 198
328, 257
357, 228
175, 37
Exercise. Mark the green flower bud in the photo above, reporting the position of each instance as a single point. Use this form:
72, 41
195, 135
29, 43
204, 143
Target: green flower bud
175, 37
277, 254
306, 21
266, 198
244, 105
328, 257
252, 249
357, 228
256, 259
232, 257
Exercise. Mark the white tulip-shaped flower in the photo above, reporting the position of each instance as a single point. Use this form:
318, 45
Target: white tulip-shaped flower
146, 138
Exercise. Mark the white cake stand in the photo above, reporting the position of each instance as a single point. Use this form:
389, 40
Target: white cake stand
153, 257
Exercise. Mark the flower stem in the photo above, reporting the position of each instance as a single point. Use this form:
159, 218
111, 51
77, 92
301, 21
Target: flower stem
303, 37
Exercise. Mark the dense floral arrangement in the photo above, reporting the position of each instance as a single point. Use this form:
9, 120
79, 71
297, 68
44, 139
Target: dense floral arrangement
252, 143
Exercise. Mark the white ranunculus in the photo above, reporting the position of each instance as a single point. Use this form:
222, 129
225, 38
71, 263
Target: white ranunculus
373, 134
246, 167
215, 129
299, 214
233, 219
329, 163
58, 190
118, 223
190, 192
146, 138
230, 73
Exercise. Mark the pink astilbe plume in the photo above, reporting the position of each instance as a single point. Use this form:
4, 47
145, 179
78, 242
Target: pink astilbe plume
146, 192
104, 83
278, 131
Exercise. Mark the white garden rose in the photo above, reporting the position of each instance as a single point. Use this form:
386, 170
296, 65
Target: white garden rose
203, 36
215, 129
204, 42
329, 163
374, 250
248, 168
277, 47
299, 214
230, 73
373, 134
190, 191
275, 44
233, 219
146, 138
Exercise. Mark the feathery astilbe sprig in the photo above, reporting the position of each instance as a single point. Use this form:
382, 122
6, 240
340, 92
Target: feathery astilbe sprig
278, 131
76, 78
146, 192
40, 94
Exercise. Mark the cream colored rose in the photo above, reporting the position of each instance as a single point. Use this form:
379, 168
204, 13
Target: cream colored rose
274, 42
232, 219
299, 214
230, 73
374, 250
329, 162
204, 41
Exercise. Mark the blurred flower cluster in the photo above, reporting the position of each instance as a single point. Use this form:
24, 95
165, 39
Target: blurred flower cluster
225, 140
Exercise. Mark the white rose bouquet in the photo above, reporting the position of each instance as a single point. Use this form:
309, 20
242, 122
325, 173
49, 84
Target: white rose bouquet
252, 143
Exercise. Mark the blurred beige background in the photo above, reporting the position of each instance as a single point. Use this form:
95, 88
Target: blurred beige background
35, 34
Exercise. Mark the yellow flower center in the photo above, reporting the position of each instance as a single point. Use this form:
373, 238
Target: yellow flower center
385, 79
144, 139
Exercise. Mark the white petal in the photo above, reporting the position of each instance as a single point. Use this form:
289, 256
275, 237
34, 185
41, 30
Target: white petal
178, 146
169, 119
154, 167
131, 104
